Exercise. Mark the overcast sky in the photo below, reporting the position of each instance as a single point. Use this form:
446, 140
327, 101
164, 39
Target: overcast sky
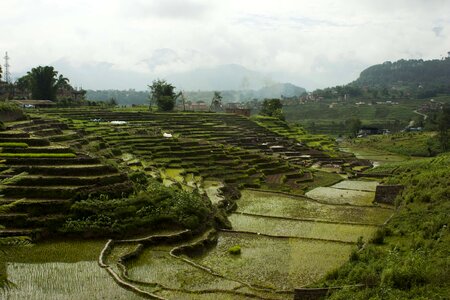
310, 43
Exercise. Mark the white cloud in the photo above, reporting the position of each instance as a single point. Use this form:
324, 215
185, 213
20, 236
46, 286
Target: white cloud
322, 42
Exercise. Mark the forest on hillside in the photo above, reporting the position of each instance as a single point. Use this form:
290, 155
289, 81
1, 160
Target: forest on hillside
414, 73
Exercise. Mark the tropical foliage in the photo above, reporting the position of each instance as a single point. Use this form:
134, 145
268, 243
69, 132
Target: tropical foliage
163, 95
43, 82
272, 108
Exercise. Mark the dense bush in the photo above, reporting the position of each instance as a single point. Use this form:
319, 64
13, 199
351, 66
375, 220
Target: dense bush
154, 206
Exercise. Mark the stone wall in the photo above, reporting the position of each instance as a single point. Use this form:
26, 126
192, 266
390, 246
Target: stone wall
8, 116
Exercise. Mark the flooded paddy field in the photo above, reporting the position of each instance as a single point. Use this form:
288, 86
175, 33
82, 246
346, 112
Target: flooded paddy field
333, 195
59, 270
268, 267
302, 229
281, 205
277, 263
285, 241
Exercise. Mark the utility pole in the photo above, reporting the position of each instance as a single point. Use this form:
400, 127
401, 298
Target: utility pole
7, 74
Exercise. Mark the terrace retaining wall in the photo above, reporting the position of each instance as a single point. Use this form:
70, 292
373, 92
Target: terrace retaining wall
312, 293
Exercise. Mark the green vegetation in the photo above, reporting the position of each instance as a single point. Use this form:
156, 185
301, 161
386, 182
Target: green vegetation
152, 207
43, 82
9, 111
13, 145
272, 108
420, 144
444, 127
330, 115
207, 154
235, 250
425, 78
163, 95
7, 106
38, 155
408, 258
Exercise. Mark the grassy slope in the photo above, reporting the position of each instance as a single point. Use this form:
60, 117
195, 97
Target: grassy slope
422, 144
409, 259
328, 119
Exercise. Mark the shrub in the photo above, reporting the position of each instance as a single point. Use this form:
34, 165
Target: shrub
235, 250
379, 236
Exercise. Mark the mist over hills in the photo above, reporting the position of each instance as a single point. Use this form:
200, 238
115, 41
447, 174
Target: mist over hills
223, 77
105, 76
132, 96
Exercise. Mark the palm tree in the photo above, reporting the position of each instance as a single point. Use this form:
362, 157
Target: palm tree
44, 82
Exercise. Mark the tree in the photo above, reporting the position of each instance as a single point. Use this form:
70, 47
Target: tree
353, 125
216, 102
162, 93
272, 108
183, 100
112, 101
23, 83
1, 72
43, 82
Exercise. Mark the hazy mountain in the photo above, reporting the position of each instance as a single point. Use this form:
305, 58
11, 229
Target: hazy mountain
103, 76
223, 77
279, 89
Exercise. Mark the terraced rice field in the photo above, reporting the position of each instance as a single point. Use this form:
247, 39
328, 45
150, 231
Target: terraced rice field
287, 240
40, 174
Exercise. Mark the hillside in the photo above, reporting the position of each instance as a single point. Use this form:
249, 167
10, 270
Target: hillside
408, 258
408, 73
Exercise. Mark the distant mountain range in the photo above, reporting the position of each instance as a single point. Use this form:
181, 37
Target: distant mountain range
105, 76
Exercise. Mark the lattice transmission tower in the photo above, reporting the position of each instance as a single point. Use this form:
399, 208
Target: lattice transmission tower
7, 73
